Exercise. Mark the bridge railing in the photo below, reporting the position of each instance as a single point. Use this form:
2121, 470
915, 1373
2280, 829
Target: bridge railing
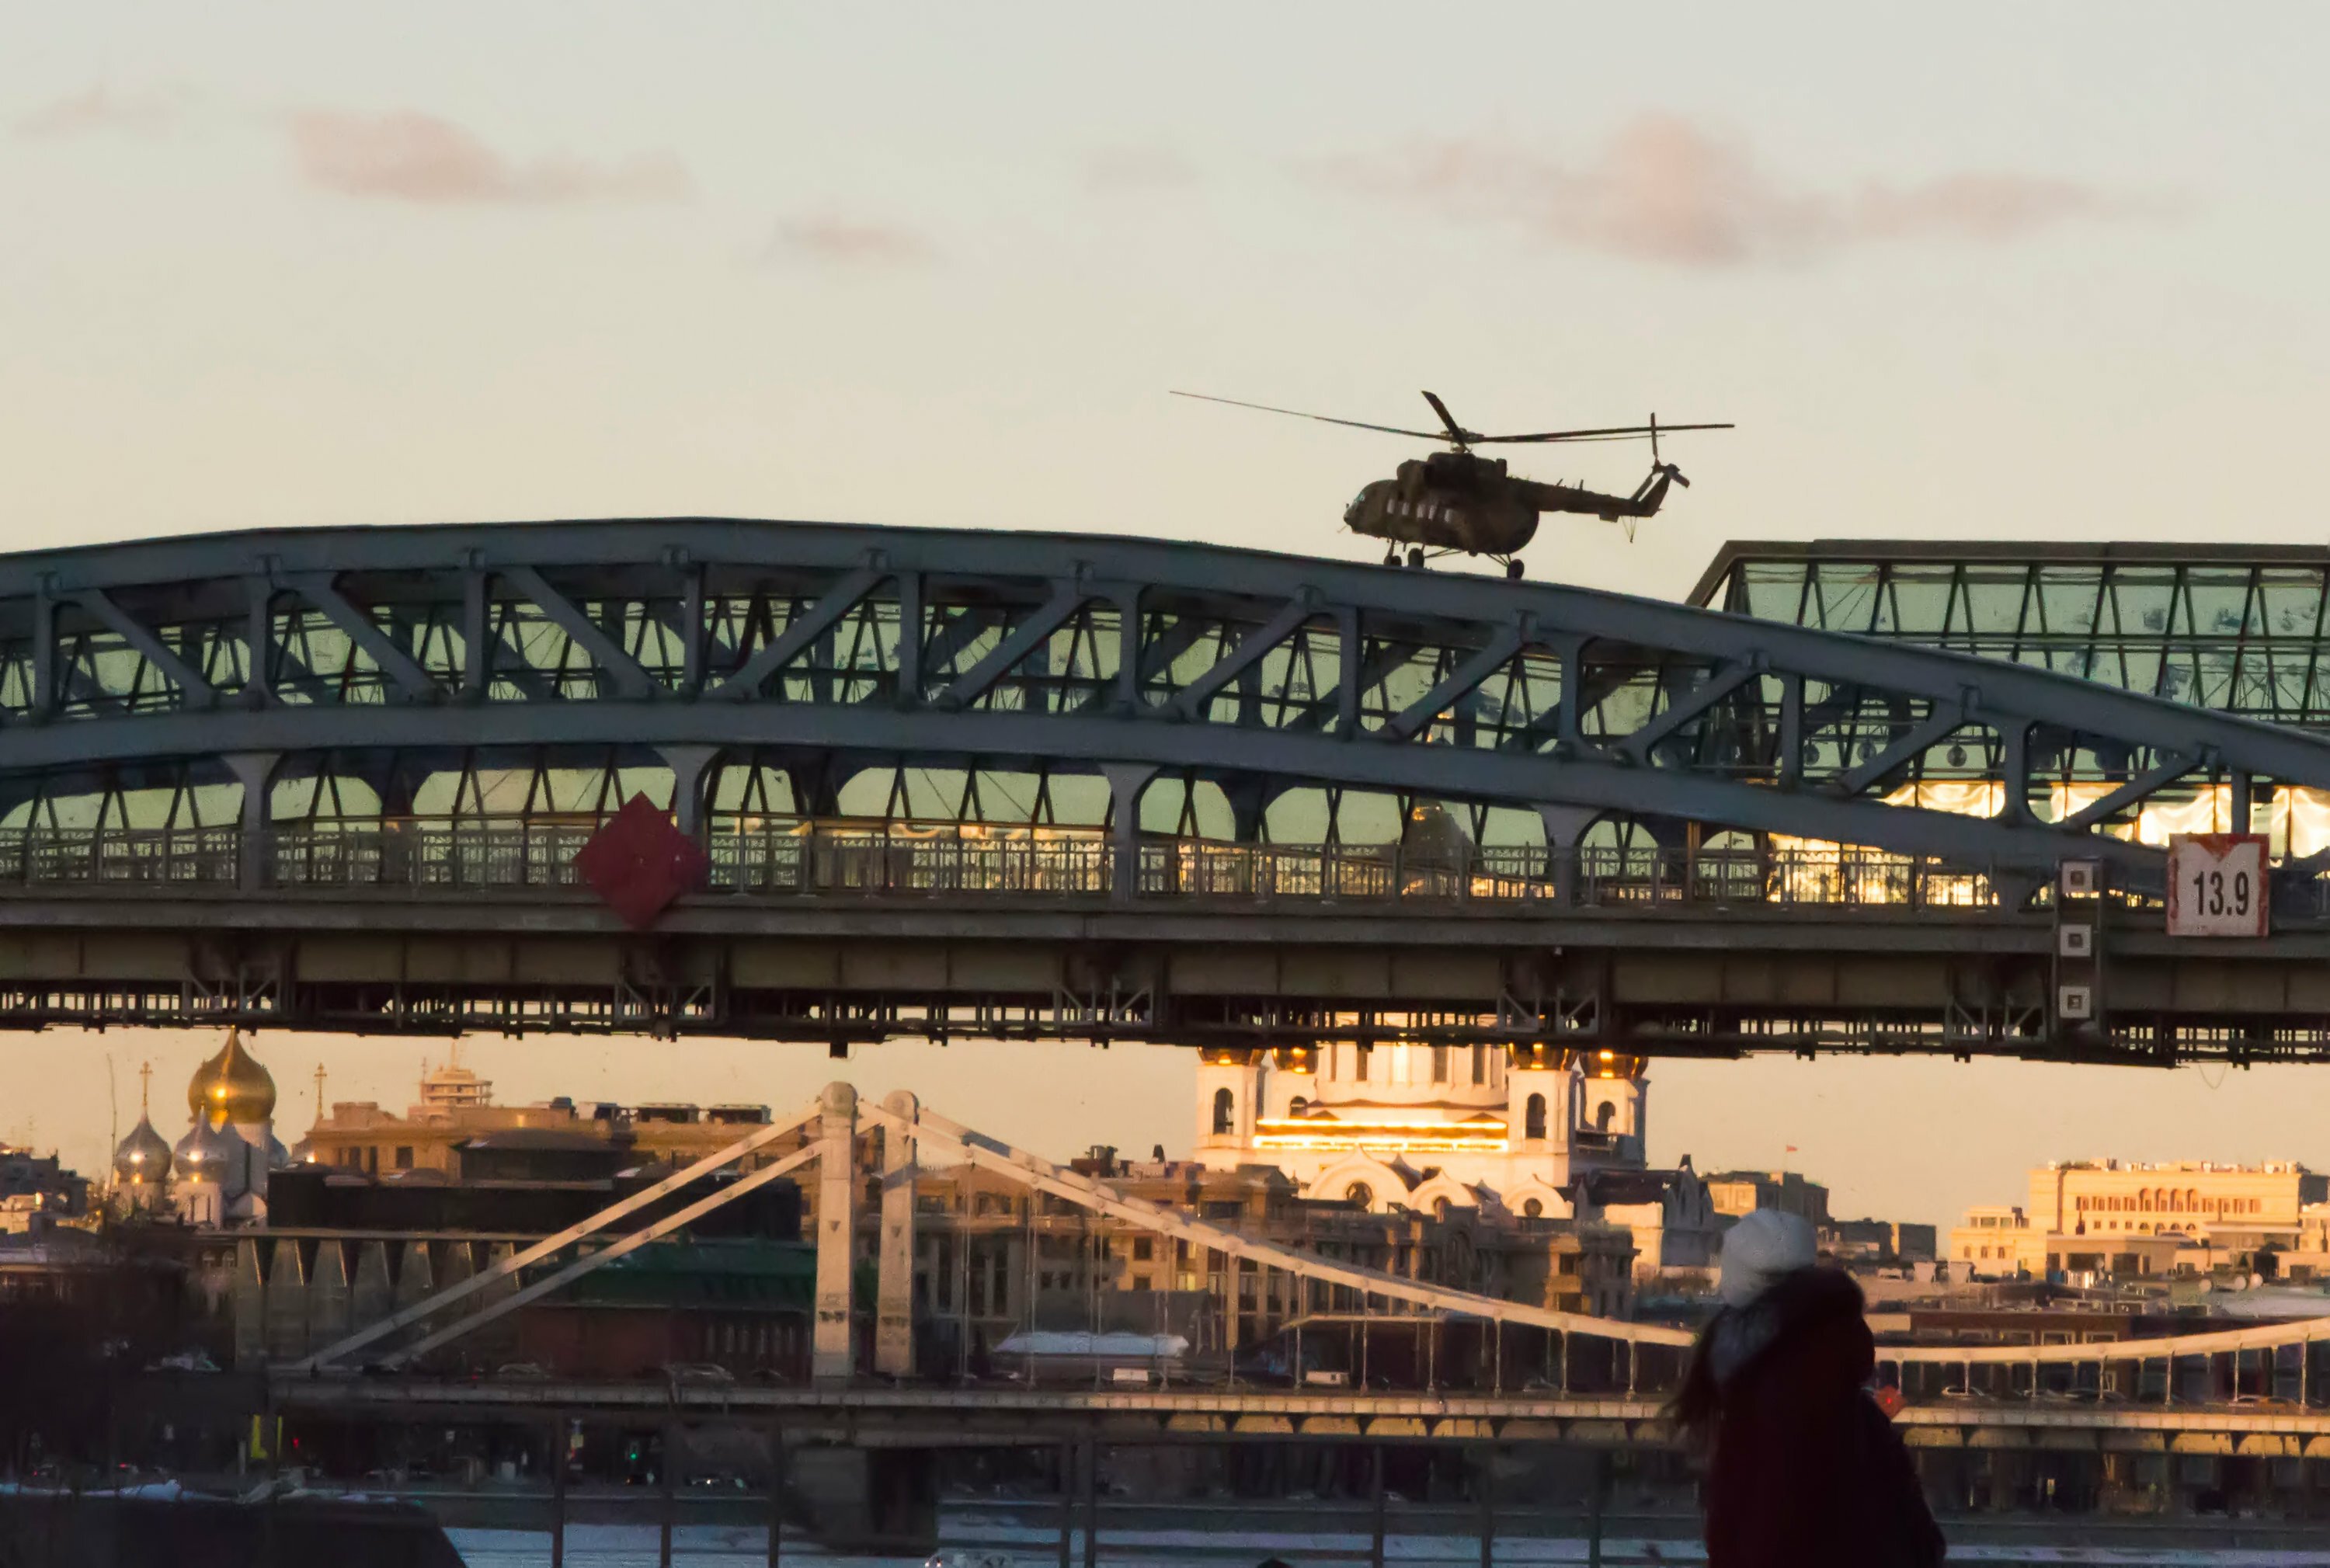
790, 858
846, 860
110, 857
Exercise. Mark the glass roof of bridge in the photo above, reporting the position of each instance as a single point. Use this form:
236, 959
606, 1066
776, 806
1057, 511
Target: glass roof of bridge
2235, 627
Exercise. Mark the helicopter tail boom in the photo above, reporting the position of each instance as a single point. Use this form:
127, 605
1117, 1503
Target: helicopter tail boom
1646, 501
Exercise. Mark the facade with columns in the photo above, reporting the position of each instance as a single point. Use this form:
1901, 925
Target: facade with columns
1421, 1127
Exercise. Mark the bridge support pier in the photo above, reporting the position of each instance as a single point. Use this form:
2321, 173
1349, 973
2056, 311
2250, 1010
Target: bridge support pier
1565, 826
1375, 1521
776, 1494
1484, 1489
894, 1291
667, 1500
557, 1455
252, 770
833, 1356
1089, 1477
1126, 780
688, 764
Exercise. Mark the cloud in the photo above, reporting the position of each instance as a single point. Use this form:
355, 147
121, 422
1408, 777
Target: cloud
1664, 189
139, 112
842, 242
409, 156
1138, 169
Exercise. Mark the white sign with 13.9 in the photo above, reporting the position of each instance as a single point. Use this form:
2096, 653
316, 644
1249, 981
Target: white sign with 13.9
2217, 884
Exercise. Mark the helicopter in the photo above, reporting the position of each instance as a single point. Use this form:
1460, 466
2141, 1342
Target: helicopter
1458, 502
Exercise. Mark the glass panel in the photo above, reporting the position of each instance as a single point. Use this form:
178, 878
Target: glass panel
1919, 604
1845, 597
1774, 590
2141, 597
2218, 600
2065, 604
1995, 599
2289, 603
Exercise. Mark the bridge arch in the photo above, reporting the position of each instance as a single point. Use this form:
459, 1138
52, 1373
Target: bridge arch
1136, 661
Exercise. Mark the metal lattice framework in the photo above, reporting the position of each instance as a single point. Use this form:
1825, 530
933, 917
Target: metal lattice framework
268, 683
2235, 627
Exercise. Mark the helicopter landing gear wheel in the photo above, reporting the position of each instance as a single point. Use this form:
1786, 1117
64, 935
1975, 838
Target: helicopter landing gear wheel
1415, 558
1391, 556
1513, 569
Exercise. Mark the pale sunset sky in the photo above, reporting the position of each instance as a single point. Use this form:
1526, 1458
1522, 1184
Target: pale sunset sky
1983, 272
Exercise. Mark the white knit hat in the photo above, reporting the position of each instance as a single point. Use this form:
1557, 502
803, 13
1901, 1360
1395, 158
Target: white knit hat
1762, 1247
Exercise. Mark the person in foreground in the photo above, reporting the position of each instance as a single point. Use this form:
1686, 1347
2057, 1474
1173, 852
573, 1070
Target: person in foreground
1803, 1469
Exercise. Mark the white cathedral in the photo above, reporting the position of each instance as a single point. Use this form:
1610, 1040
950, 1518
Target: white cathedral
1532, 1132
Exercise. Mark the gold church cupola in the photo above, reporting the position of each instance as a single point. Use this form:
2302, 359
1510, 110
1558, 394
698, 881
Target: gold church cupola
232, 1088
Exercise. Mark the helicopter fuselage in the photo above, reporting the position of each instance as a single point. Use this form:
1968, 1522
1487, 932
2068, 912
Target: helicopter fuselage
1457, 501
1448, 501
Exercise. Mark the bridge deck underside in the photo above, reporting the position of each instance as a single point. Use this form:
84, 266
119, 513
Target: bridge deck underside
851, 972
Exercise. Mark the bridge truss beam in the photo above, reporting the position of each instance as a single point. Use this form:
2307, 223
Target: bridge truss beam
1087, 653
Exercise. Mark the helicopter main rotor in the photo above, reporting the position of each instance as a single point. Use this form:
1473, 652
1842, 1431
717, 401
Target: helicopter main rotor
1462, 439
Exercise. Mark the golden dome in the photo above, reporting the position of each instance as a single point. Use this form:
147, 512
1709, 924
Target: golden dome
231, 1087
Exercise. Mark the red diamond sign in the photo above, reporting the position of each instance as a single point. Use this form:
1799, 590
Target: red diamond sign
639, 862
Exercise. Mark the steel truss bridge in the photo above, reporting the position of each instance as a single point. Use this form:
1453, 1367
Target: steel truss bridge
979, 784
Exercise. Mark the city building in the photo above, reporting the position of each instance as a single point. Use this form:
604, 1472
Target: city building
1877, 1242
2189, 1197
1666, 1212
342, 1247
1734, 1193
2118, 1218
456, 1108
742, 1304
37, 1187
